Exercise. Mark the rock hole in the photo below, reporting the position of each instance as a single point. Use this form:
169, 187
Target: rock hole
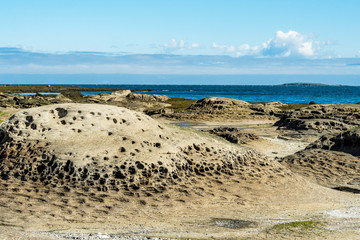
61, 112
30, 119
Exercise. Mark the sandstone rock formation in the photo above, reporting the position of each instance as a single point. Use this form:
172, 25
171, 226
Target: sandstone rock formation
233, 135
220, 108
29, 101
348, 142
114, 149
332, 169
320, 118
211, 104
95, 168
147, 97
332, 161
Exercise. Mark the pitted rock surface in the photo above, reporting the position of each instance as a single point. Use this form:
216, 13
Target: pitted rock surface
109, 148
321, 118
233, 135
217, 104
220, 109
348, 142
328, 168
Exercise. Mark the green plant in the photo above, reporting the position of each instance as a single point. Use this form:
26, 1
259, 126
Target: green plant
180, 104
291, 106
298, 225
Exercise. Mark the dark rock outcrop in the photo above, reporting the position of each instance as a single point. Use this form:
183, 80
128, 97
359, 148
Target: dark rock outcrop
321, 118
233, 135
348, 142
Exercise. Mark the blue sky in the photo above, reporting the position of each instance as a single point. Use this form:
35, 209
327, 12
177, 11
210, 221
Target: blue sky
182, 37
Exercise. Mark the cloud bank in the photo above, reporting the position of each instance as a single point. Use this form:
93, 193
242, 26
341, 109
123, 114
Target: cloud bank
180, 45
283, 44
286, 53
20, 61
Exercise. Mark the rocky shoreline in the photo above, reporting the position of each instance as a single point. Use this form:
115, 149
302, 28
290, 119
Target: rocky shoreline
116, 163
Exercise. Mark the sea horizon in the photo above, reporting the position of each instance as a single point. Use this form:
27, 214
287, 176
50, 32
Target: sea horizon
177, 79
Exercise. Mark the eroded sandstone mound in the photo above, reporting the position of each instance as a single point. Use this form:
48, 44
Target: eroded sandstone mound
112, 149
220, 108
212, 104
320, 118
348, 142
332, 169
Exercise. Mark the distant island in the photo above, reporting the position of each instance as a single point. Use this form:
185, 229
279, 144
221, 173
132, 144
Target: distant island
304, 84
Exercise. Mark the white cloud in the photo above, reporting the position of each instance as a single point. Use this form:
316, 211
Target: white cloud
283, 44
289, 44
194, 45
179, 45
224, 48
358, 54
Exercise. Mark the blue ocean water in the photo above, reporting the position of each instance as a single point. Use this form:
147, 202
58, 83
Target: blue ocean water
256, 93
249, 93
253, 93
251, 88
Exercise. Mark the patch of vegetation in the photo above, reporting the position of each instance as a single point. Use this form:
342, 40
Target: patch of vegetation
292, 106
73, 95
298, 226
52, 88
180, 104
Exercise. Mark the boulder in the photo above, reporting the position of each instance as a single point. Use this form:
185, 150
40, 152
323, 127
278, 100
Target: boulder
147, 97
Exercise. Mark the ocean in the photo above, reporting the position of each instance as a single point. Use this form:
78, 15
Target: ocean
253, 93
251, 88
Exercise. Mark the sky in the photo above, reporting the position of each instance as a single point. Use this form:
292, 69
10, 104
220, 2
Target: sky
180, 37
